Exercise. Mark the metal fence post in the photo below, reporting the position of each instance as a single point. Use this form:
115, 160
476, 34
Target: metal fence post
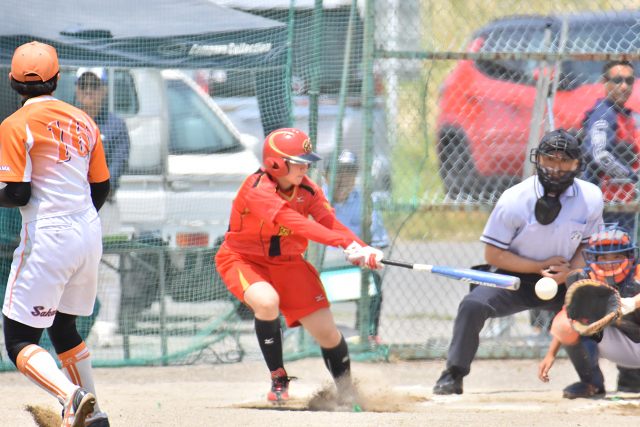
368, 55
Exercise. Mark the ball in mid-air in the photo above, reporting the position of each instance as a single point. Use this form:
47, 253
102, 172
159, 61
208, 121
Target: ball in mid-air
546, 288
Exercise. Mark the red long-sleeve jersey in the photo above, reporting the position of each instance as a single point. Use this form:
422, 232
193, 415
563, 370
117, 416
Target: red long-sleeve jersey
265, 221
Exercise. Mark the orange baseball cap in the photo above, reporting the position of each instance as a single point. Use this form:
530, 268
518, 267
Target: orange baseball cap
34, 62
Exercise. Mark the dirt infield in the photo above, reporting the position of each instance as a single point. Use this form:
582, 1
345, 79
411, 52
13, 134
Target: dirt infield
497, 393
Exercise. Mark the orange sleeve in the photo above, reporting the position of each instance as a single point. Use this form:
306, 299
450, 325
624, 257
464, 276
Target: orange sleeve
310, 229
264, 203
13, 153
98, 170
332, 223
320, 206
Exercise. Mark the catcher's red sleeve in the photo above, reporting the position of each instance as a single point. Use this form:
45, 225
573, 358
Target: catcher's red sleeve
562, 330
310, 229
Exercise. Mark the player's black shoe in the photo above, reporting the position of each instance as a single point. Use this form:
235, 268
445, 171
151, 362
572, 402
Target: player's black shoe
450, 382
628, 380
582, 389
279, 386
99, 422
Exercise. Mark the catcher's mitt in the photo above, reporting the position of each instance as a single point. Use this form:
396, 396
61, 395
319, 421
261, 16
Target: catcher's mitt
591, 306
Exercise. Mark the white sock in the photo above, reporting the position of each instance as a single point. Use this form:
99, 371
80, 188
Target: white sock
40, 367
76, 366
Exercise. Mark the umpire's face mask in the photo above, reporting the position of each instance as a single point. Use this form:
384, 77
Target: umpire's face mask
547, 209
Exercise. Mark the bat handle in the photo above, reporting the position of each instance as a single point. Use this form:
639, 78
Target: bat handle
396, 263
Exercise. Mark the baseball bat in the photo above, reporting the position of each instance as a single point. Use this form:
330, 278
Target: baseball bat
466, 275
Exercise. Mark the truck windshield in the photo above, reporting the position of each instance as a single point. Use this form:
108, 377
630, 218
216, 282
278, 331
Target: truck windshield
194, 126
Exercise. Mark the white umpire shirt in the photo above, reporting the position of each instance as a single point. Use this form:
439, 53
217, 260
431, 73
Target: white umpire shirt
513, 226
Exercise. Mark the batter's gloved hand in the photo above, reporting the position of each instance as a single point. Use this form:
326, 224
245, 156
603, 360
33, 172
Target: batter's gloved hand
353, 254
591, 306
372, 258
364, 256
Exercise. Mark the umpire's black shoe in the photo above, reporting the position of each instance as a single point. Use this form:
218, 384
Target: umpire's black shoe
582, 389
628, 380
450, 382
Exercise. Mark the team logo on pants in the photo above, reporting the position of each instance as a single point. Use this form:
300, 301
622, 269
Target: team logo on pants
39, 311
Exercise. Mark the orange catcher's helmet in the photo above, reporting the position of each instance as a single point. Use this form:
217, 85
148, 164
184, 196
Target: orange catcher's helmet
286, 145
612, 240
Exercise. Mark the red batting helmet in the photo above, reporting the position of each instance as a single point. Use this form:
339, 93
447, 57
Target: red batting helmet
286, 145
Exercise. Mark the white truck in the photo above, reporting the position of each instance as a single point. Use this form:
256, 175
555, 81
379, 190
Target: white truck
186, 160
186, 164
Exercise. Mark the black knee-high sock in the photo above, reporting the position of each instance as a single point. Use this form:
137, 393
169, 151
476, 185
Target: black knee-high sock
269, 335
337, 360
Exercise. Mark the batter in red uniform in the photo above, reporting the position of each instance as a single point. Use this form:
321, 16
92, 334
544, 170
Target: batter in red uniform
261, 259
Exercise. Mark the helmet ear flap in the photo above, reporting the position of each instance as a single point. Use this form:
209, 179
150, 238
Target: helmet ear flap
276, 166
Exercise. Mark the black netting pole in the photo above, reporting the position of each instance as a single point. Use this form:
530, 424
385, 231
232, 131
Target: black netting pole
273, 99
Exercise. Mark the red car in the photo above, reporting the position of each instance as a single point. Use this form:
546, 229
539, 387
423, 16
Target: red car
486, 106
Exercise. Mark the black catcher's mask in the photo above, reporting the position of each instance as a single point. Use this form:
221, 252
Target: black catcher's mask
561, 144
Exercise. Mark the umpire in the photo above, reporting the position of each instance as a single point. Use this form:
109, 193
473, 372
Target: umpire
538, 228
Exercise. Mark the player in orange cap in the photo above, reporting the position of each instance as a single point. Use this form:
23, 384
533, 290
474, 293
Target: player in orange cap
261, 259
51, 158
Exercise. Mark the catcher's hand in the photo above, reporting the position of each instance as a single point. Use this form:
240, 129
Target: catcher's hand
591, 306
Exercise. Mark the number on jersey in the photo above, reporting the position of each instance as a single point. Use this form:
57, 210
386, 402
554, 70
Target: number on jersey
77, 136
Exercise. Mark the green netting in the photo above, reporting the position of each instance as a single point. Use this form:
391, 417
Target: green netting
435, 100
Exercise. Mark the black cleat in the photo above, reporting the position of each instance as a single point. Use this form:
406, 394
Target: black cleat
99, 422
450, 382
582, 389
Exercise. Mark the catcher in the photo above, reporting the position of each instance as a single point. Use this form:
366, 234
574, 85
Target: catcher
599, 314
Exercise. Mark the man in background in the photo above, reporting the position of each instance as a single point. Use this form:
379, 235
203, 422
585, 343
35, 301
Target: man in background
91, 89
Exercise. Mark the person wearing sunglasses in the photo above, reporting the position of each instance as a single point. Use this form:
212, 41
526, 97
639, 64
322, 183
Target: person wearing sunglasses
612, 144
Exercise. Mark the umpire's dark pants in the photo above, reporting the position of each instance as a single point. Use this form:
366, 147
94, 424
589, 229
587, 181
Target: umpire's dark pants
483, 303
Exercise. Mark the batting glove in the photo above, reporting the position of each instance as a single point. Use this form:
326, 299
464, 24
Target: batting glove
372, 258
627, 305
364, 256
354, 254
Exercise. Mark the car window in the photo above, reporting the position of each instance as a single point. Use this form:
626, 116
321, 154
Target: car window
125, 96
528, 39
610, 38
194, 126
600, 37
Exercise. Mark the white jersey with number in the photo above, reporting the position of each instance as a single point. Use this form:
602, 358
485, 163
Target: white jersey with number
57, 148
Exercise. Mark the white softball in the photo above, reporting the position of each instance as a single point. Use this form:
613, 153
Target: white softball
546, 288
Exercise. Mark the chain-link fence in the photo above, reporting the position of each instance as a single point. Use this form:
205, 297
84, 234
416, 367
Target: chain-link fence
485, 81
423, 109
